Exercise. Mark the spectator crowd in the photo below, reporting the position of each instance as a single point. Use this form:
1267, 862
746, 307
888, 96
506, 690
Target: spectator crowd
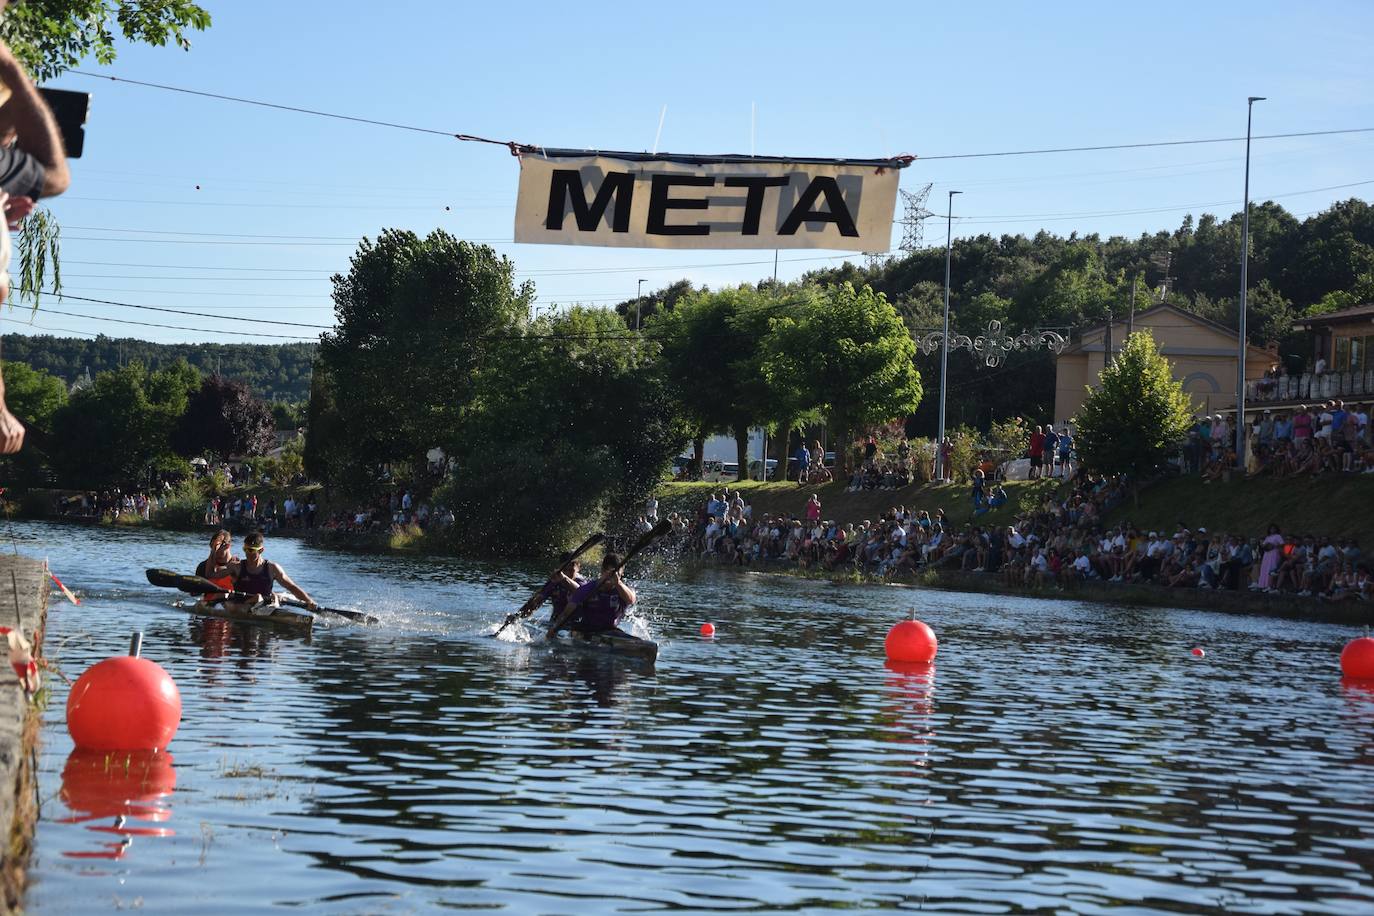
1061, 541
1327, 438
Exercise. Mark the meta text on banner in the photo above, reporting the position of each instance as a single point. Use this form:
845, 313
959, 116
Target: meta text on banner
641, 201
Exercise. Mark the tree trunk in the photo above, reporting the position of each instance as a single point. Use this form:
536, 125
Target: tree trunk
742, 452
698, 456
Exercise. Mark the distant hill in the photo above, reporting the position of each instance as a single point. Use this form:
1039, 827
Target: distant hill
275, 372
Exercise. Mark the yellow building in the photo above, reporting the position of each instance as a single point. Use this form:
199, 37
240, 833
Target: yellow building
1202, 353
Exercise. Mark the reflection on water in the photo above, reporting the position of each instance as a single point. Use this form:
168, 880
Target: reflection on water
117, 792
1063, 757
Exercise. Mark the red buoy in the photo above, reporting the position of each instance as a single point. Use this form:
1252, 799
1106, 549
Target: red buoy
1198, 653
124, 703
1357, 658
911, 641
708, 629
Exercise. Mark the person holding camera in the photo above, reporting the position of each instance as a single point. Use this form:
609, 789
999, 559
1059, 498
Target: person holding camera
32, 165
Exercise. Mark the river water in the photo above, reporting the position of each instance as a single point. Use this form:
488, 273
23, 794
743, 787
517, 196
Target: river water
1058, 757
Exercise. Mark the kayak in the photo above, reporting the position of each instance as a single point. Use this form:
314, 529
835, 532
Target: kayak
262, 613
610, 642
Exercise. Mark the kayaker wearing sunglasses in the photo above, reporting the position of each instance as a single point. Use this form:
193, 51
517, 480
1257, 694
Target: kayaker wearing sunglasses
256, 574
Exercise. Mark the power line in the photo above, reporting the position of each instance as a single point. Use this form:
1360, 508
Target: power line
275, 205
517, 148
1146, 145
295, 270
230, 235
1014, 217
208, 279
514, 147
321, 300
174, 327
154, 308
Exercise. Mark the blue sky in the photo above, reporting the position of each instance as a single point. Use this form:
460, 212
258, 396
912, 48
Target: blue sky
241, 212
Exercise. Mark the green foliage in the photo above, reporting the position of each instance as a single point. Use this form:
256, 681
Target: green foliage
1361, 292
964, 453
276, 372
39, 246
50, 36
566, 425
713, 352
118, 431
417, 321
1009, 438
222, 418
845, 353
33, 395
1135, 415
1068, 283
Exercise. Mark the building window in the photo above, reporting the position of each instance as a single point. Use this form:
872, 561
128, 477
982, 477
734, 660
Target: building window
1352, 354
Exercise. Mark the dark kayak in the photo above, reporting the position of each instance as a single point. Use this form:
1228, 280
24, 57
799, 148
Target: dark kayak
262, 613
609, 642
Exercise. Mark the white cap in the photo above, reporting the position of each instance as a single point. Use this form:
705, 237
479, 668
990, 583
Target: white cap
1202, 531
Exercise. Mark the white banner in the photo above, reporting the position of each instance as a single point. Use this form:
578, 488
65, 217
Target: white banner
642, 201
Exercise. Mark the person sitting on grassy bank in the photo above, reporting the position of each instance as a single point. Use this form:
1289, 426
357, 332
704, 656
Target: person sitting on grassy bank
1059, 542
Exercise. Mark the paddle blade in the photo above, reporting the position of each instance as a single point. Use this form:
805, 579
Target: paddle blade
191, 585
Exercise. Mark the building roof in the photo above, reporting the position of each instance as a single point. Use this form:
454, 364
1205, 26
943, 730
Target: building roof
1354, 313
1162, 307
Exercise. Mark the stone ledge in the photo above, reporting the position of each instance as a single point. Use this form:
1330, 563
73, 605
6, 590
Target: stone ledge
19, 725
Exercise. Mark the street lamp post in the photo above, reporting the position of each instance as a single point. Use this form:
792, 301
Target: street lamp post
1244, 284
639, 297
944, 344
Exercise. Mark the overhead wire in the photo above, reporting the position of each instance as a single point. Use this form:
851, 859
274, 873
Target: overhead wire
516, 148
174, 327
154, 308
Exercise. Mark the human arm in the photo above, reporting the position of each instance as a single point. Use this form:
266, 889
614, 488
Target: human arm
11, 430
28, 117
621, 589
279, 576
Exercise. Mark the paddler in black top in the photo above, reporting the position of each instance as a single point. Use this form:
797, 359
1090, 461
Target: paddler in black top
598, 605
255, 574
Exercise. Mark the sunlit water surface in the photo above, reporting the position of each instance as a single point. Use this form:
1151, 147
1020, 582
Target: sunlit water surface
1059, 757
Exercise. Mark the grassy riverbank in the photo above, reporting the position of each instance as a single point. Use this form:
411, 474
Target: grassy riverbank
786, 498
1338, 506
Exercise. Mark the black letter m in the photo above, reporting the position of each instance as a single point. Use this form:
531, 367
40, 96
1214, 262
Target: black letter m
566, 185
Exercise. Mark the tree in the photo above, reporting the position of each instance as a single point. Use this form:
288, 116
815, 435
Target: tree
713, 350
50, 36
117, 432
1135, 415
569, 423
33, 395
417, 320
845, 353
223, 418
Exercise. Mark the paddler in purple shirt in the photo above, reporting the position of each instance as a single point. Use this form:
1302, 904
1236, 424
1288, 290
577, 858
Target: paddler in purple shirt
564, 582
598, 605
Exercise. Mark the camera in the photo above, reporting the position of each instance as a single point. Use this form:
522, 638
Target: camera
69, 109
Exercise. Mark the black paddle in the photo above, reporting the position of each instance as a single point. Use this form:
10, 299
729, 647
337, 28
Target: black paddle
537, 598
645, 540
195, 585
